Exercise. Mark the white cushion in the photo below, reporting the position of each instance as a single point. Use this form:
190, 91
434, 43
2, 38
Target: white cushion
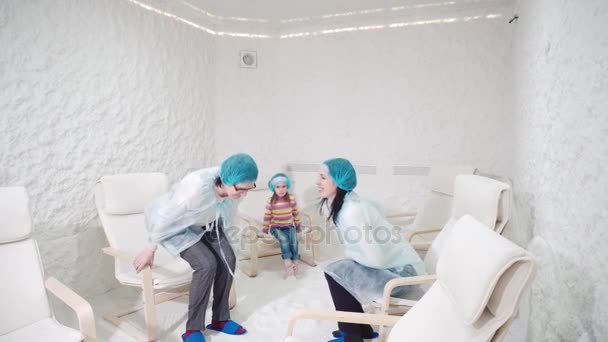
434, 318
434, 213
432, 254
23, 298
125, 227
15, 221
442, 178
130, 193
468, 275
475, 264
125, 232
478, 196
509, 288
473, 195
47, 330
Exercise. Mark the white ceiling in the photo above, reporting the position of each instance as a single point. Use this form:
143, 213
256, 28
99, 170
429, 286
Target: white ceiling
275, 10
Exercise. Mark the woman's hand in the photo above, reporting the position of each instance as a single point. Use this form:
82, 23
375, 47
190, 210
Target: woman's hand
143, 259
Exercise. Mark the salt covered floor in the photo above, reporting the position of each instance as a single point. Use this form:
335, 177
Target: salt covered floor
264, 306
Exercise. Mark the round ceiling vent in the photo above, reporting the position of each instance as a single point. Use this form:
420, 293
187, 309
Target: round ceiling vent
249, 59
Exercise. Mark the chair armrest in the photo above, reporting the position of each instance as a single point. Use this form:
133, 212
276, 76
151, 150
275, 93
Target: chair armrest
118, 254
262, 235
421, 246
123, 256
84, 311
413, 233
399, 215
405, 281
340, 316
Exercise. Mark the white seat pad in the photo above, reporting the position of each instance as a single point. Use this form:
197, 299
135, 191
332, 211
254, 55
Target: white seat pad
174, 273
48, 330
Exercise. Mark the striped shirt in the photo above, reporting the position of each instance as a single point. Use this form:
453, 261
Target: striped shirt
284, 212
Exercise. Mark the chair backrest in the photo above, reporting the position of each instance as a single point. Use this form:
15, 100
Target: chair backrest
470, 300
487, 200
22, 292
436, 209
120, 202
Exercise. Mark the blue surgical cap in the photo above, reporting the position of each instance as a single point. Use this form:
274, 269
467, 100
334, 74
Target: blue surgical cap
278, 178
342, 173
238, 168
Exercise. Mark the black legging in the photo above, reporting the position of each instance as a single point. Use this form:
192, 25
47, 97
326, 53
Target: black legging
344, 301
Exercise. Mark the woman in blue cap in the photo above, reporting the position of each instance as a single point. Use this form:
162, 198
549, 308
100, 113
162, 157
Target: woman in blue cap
374, 251
189, 221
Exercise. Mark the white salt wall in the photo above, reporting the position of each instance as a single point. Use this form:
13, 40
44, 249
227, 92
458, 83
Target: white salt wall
101, 87
560, 173
420, 95
89, 88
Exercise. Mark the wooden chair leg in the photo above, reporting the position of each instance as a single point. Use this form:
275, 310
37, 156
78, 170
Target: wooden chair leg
254, 259
149, 303
232, 296
136, 332
383, 334
131, 330
307, 241
250, 268
245, 267
308, 259
315, 246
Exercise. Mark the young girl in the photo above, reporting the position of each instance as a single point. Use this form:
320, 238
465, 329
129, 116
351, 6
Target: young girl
281, 219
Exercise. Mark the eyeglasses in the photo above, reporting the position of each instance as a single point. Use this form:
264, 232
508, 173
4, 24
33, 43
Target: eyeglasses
245, 189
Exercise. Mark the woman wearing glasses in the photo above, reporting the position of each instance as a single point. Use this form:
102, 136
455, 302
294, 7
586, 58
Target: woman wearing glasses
374, 251
189, 221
